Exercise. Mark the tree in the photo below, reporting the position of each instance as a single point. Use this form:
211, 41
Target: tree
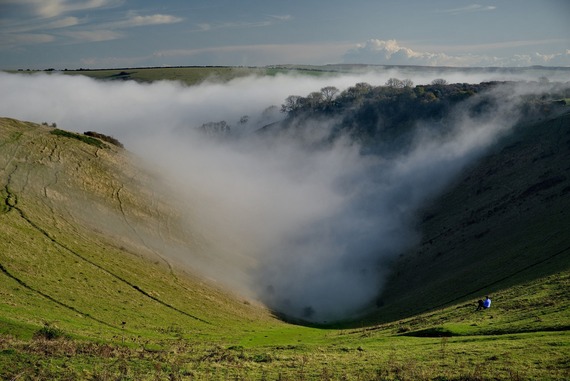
329, 92
355, 93
215, 128
395, 83
292, 103
363, 87
408, 83
315, 99
439, 81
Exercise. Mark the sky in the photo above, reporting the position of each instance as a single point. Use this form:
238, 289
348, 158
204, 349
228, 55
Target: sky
72, 34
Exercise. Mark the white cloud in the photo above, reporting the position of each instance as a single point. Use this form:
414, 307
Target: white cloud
134, 20
493, 46
204, 26
281, 17
56, 8
62, 23
13, 40
470, 9
390, 52
93, 35
25, 27
109, 31
231, 25
556, 59
18, 33
46, 21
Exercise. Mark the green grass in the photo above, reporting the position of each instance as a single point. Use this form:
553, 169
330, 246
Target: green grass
77, 255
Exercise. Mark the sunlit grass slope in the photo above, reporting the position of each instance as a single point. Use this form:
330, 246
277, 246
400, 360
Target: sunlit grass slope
79, 225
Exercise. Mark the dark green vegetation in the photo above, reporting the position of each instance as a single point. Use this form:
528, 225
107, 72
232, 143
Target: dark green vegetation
380, 117
87, 294
84, 138
105, 138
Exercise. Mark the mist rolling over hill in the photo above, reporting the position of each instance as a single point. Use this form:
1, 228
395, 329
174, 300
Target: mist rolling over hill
302, 210
380, 207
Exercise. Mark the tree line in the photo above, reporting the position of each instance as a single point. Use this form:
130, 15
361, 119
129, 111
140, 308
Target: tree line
368, 112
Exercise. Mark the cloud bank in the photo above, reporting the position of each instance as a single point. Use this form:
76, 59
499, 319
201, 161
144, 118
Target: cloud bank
315, 228
390, 52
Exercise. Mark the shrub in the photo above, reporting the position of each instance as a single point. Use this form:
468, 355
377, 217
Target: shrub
106, 138
86, 139
49, 332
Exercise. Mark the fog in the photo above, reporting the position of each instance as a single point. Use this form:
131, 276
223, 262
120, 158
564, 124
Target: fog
314, 226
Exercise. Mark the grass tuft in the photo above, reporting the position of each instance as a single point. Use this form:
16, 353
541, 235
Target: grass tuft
49, 332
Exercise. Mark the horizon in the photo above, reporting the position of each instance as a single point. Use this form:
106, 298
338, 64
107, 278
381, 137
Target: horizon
297, 66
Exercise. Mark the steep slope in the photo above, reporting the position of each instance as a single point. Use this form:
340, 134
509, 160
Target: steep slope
82, 242
504, 222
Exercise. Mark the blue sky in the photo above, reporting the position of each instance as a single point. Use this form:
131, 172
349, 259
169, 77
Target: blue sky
39, 34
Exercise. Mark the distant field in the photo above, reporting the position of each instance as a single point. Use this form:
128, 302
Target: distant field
190, 75
187, 75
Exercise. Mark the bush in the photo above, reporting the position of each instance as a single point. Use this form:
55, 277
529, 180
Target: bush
48, 332
106, 138
86, 139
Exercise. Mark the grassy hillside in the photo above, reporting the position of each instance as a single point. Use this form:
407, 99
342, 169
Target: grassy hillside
86, 292
82, 234
505, 221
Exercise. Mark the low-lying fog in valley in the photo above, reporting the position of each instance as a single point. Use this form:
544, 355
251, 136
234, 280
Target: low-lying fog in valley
318, 223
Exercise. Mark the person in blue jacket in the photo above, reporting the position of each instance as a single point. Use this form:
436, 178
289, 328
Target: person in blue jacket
487, 302
484, 304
